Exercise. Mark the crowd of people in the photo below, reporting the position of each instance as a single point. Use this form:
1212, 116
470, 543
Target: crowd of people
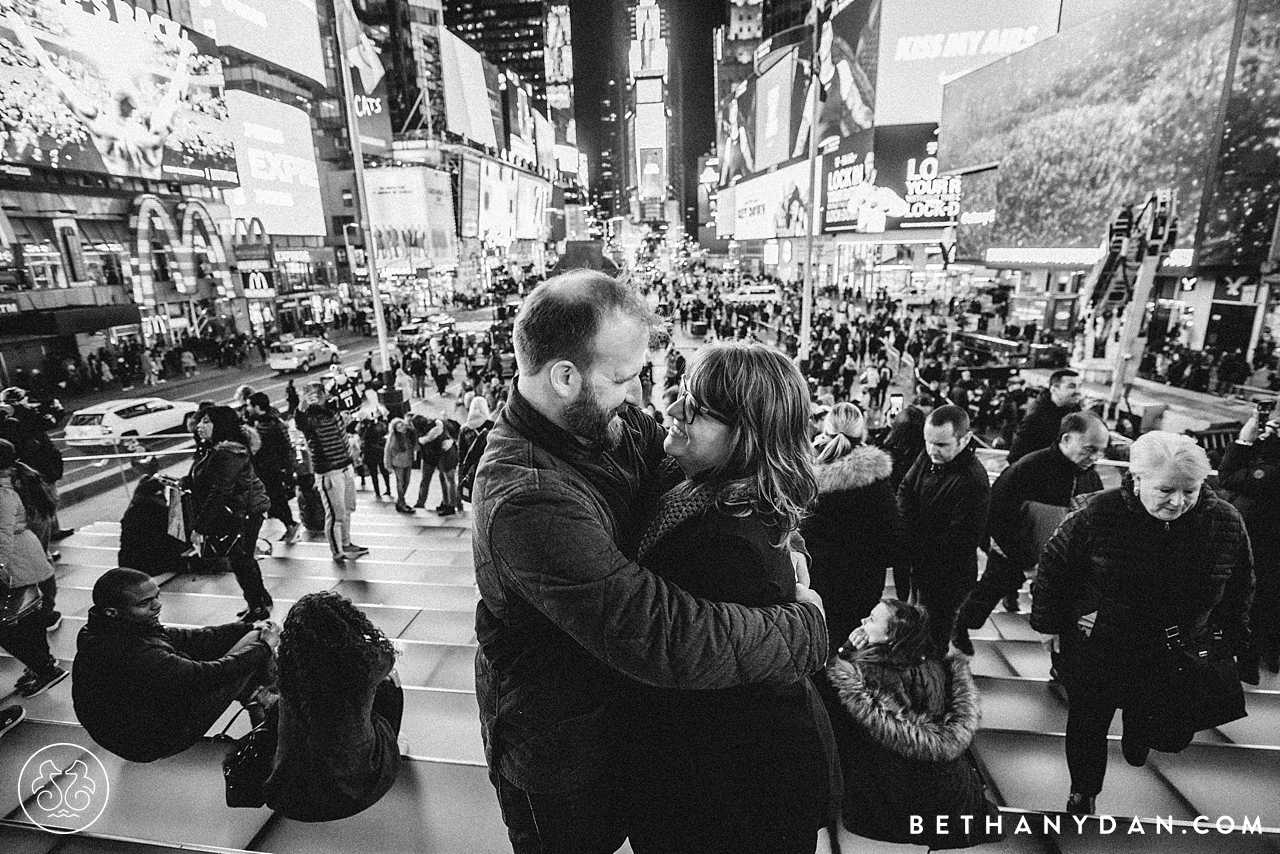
702, 656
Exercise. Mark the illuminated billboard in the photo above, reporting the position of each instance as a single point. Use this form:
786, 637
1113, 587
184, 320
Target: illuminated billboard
888, 179
285, 32
278, 180
98, 90
848, 49
533, 198
1070, 154
780, 102
927, 43
651, 125
411, 217
466, 100
558, 56
653, 173
648, 56
772, 205
737, 131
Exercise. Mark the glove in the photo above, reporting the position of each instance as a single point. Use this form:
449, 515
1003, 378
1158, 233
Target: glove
1247, 667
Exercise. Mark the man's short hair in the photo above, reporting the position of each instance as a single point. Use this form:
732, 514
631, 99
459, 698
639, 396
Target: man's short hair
1079, 423
1056, 378
108, 590
562, 316
950, 414
259, 400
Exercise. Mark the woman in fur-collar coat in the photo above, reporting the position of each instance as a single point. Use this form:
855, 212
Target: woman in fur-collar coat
855, 531
904, 719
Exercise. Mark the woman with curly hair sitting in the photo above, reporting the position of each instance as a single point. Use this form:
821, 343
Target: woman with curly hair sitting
339, 712
904, 717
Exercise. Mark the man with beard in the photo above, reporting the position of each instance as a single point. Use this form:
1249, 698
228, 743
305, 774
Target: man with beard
562, 495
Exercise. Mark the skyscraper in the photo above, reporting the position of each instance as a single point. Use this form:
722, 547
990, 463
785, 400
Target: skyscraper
510, 33
779, 15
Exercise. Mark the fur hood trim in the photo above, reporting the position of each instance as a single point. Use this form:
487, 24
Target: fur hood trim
859, 468
910, 734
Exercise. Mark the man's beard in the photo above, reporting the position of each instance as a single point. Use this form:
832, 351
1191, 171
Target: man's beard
599, 427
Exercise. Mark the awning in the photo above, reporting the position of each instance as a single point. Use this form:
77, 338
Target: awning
69, 321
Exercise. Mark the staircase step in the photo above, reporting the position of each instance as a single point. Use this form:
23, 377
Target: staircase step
444, 666
433, 807
1029, 771
174, 799
442, 726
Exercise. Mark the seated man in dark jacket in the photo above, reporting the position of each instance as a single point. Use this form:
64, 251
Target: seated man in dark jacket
145, 691
1028, 502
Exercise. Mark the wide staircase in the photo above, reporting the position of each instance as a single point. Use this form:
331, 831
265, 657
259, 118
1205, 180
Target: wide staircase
417, 584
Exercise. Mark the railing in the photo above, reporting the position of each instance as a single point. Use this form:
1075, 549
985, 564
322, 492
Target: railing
125, 469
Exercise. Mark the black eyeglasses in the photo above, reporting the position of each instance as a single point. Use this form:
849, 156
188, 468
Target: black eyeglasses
693, 409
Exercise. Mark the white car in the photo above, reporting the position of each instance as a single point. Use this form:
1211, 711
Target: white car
115, 420
752, 295
300, 354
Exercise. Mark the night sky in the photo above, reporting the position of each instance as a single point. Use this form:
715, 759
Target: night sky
692, 23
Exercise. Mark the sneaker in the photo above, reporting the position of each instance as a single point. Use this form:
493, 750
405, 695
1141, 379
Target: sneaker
54, 556
263, 549
61, 534
445, 511
339, 558
52, 621
353, 550
291, 533
1011, 603
41, 683
24, 680
10, 717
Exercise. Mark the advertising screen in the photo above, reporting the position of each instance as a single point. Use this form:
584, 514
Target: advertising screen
533, 197
104, 92
848, 49
1070, 152
651, 125
927, 43
519, 114
906, 164
778, 107
648, 53
469, 224
653, 178
497, 203
559, 50
411, 216
726, 211
285, 32
772, 205
1240, 214
545, 138
368, 79
849, 198
737, 129
466, 102
977, 215
278, 180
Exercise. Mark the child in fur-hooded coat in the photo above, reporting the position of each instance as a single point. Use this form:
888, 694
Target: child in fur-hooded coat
904, 719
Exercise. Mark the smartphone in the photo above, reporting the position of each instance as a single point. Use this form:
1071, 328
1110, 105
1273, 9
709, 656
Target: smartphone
1265, 408
895, 405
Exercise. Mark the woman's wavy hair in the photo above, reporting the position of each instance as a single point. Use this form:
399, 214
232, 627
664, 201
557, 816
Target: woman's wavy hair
909, 643
846, 428
765, 401
328, 648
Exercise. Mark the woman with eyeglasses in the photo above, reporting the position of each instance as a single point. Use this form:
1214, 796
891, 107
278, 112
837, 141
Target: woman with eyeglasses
855, 532
746, 769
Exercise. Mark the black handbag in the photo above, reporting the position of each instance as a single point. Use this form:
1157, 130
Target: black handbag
215, 557
247, 766
1199, 687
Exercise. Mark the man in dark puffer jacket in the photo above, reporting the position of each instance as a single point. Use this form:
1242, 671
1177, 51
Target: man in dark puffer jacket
1028, 502
145, 691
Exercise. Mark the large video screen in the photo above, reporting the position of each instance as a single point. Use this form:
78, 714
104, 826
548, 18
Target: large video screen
773, 205
926, 43
411, 215
766, 121
1102, 114
285, 32
84, 89
466, 100
279, 183
1240, 214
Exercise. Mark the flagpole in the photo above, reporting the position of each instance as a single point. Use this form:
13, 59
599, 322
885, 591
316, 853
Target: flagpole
806, 295
362, 205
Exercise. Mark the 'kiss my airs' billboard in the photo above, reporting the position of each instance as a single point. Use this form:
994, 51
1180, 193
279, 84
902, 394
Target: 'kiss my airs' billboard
110, 88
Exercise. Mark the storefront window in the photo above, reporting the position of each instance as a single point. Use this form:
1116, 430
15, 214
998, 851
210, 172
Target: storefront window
44, 269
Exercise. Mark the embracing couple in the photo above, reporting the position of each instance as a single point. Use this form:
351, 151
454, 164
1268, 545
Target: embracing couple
644, 645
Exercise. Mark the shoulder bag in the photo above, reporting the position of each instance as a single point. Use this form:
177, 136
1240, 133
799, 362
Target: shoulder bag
1198, 686
247, 766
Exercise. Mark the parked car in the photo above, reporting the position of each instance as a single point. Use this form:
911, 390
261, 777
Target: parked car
420, 331
106, 423
300, 354
752, 295
442, 322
